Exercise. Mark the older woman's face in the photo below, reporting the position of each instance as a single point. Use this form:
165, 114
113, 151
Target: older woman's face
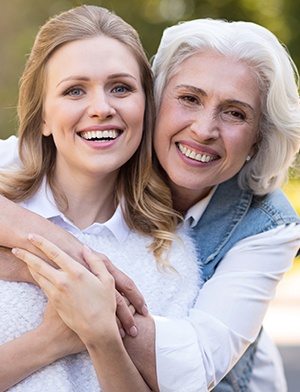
207, 123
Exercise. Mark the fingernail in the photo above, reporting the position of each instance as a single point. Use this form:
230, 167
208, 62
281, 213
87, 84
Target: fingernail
15, 251
122, 333
145, 310
133, 331
31, 237
88, 250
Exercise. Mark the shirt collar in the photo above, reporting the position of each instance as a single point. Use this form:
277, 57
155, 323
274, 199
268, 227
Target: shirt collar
194, 213
43, 203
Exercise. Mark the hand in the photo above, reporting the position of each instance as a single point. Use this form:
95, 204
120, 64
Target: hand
131, 311
125, 288
128, 290
85, 300
63, 340
126, 294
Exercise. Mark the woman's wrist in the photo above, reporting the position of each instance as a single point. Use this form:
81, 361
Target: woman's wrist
56, 348
59, 339
102, 337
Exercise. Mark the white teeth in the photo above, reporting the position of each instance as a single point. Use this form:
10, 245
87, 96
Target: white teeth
107, 134
193, 155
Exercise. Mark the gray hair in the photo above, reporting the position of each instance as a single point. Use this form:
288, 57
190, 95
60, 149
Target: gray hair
278, 138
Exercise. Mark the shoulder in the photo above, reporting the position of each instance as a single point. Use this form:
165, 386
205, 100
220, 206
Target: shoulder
234, 214
9, 151
275, 207
238, 205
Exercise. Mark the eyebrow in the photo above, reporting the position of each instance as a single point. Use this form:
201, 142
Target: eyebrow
194, 89
241, 103
85, 79
198, 90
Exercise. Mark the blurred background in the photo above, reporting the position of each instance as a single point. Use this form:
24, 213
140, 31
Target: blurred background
19, 23
20, 20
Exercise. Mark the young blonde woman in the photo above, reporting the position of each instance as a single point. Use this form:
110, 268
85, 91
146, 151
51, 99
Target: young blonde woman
85, 112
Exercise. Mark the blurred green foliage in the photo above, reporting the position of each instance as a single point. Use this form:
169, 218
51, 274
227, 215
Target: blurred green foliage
20, 20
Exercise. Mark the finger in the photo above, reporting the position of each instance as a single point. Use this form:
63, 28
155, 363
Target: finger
130, 290
125, 316
126, 285
126, 300
54, 253
43, 274
121, 329
35, 263
132, 309
130, 306
45, 284
95, 263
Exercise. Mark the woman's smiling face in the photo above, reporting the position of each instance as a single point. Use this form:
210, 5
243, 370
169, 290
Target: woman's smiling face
207, 123
93, 106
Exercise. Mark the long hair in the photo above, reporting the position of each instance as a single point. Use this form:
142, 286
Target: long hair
145, 199
278, 139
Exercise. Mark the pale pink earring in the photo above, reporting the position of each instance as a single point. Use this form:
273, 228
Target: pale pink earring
248, 158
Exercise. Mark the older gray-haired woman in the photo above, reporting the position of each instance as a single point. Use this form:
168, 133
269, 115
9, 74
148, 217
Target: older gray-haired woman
227, 131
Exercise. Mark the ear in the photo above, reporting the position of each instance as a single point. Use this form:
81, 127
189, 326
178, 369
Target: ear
45, 130
253, 149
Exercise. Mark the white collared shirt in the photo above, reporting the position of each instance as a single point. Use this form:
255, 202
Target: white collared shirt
195, 353
194, 214
9, 152
43, 203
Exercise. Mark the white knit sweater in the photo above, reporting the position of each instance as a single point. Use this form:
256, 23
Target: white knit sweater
166, 293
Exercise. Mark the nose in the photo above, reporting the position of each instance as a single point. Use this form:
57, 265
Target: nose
205, 125
100, 105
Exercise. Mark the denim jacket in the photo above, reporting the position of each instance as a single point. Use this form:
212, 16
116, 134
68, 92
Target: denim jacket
232, 215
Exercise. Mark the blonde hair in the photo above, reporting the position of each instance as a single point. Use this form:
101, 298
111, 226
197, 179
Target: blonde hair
278, 139
145, 199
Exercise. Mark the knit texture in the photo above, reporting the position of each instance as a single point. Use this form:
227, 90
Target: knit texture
167, 293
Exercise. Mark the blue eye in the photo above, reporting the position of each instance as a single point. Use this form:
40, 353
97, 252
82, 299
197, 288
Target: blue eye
74, 92
121, 89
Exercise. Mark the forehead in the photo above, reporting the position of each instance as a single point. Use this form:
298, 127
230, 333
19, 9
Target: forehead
93, 55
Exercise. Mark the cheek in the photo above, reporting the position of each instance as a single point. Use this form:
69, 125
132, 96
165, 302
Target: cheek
163, 128
138, 128
238, 144
159, 140
134, 112
137, 138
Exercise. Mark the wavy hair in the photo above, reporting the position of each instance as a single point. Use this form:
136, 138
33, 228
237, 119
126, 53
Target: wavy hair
144, 197
278, 139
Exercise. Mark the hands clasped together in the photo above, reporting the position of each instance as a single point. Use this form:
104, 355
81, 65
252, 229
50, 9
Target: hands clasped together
86, 300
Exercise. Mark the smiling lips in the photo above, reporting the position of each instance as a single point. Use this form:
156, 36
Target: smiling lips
99, 136
192, 154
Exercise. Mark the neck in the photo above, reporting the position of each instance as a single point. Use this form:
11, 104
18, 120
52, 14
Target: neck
184, 199
87, 201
